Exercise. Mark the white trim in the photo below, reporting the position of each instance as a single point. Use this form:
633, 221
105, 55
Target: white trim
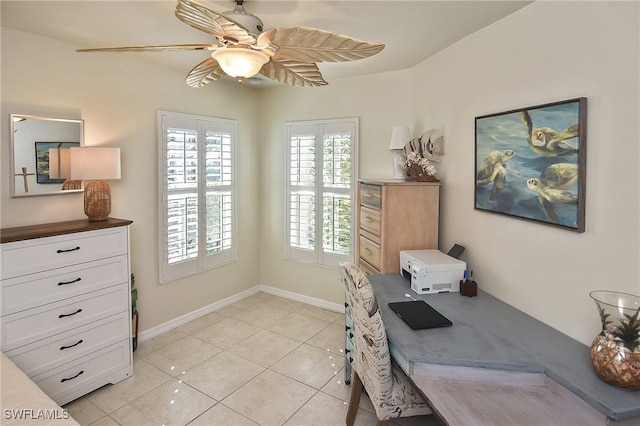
183, 319
200, 124
319, 128
319, 303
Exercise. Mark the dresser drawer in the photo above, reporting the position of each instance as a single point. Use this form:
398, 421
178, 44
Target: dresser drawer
371, 195
38, 323
30, 291
45, 354
69, 381
41, 254
370, 220
370, 252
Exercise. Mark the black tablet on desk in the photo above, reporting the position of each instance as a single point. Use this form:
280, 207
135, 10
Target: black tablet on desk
419, 315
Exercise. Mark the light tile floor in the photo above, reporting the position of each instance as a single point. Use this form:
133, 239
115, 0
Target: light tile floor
264, 360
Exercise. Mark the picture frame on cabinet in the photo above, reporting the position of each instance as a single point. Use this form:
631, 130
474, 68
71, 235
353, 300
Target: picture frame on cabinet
43, 174
530, 163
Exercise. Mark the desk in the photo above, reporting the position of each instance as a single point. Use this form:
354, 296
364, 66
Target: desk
489, 335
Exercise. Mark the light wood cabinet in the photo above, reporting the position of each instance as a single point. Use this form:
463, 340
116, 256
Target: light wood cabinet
395, 216
65, 308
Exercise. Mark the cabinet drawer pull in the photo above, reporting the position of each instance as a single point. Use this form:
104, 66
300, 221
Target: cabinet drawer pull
62, 348
368, 219
71, 378
71, 314
68, 250
368, 194
368, 251
69, 282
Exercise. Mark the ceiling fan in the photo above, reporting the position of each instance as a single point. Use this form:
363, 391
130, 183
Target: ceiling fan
243, 49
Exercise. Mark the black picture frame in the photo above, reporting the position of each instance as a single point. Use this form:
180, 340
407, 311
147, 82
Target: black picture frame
42, 160
530, 163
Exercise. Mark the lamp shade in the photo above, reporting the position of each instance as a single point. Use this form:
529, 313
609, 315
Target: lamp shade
95, 163
59, 163
399, 137
240, 62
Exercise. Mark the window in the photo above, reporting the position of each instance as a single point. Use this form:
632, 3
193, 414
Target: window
322, 168
197, 187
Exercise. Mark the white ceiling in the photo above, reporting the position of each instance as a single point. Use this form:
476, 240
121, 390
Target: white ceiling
411, 30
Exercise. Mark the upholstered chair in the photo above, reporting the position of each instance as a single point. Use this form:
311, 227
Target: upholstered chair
389, 389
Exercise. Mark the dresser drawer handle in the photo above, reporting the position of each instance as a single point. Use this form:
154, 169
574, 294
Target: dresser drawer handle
71, 314
68, 250
368, 251
71, 378
69, 282
368, 194
62, 348
368, 219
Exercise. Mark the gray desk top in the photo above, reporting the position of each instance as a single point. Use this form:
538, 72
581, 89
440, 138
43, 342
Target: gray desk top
488, 333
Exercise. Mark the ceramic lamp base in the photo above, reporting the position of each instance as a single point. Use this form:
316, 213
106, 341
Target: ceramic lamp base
97, 200
398, 159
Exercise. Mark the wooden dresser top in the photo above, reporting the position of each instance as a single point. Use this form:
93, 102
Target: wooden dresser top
21, 233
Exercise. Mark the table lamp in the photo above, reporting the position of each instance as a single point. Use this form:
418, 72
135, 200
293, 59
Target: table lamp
94, 165
399, 138
60, 168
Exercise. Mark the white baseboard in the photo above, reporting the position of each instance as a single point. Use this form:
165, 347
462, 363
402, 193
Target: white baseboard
329, 306
183, 319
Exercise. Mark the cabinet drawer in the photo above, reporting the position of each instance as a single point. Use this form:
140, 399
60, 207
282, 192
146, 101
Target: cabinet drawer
34, 324
370, 252
34, 290
41, 254
371, 195
49, 353
86, 374
370, 220
368, 269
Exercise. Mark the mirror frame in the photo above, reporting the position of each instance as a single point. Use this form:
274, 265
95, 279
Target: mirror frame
12, 180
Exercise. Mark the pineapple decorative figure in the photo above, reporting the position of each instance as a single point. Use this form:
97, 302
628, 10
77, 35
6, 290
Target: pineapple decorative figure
615, 352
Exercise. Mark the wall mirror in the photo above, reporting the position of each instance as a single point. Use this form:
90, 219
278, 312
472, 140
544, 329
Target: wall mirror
39, 155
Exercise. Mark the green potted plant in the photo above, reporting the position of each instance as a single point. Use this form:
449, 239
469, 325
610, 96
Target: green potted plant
134, 312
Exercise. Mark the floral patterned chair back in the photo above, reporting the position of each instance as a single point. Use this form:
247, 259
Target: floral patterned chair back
390, 390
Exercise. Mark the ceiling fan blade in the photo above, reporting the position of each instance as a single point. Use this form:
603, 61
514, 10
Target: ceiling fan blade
204, 72
295, 73
313, 45
214, 23
157, 48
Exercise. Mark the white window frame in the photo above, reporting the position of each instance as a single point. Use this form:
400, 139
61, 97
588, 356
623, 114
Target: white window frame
202, 261
319, 128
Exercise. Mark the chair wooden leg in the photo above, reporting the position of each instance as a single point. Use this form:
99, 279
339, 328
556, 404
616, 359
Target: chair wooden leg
354, 400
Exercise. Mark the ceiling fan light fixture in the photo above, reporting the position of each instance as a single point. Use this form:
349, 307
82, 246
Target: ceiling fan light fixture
240, 62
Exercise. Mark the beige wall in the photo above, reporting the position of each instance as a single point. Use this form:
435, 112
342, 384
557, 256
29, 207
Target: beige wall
118, 97
379, 101
548, 51
583, 49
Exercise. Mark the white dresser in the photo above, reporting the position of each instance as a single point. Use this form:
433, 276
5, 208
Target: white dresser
65, 304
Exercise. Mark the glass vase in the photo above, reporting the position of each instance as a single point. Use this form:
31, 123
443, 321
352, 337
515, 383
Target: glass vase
615, 352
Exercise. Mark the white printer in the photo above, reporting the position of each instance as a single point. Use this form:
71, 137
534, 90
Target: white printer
431, 271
